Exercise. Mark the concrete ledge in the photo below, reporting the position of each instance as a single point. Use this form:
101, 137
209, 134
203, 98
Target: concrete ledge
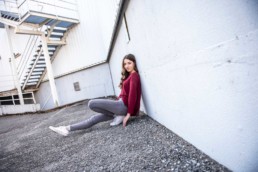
16, 109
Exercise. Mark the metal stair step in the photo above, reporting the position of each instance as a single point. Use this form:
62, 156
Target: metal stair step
39, 62
49, 52
42, 55
35, 77
49, 55
33, 80
37, 66
54, 39
33, 83
33, 73
59, 30
38, 70
40, 65
36, 73
51, 48
54, 33
40, 58
55, 36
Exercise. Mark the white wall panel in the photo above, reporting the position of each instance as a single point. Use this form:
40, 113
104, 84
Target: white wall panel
18, 43
94, 82
198, 63
6, 78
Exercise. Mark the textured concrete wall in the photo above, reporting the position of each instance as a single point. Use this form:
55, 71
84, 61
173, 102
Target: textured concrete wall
198, 63
94, 82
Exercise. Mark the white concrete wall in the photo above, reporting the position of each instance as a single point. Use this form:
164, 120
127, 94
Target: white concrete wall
15, 109
88, 42
19, 44
6, 78
198, 63
94, 82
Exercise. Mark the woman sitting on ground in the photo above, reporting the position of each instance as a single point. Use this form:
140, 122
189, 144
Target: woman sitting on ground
121, 109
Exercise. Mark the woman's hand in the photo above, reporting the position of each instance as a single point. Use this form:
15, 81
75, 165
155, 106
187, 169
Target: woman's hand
126, 119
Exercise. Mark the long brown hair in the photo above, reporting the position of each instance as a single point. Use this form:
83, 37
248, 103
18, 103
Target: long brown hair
124, 72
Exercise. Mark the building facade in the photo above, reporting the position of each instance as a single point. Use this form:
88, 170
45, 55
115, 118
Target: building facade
197, 62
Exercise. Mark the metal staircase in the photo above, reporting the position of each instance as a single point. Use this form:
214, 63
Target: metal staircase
54, 27
37, 65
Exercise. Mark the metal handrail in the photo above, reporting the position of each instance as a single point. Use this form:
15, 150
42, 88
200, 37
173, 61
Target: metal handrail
11, 7
30, 55
29, 51
21, 3
72, 3
27, 57
24, 54
10, 2
54, 4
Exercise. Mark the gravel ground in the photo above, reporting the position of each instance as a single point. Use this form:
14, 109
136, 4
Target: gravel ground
26, 144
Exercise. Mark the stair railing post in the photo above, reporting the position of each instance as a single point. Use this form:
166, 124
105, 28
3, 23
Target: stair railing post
13, 63
49, 70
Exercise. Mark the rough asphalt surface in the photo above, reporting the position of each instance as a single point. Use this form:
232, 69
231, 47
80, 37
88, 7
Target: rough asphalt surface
27, 144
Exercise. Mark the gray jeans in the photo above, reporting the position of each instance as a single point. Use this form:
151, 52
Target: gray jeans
106, 108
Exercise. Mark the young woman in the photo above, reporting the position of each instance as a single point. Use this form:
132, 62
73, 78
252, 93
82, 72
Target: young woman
120, 110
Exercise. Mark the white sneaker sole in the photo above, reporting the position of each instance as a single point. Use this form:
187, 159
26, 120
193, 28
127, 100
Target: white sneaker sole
114, 124
57, 131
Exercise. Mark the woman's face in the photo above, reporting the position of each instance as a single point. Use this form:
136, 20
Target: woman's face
128, 65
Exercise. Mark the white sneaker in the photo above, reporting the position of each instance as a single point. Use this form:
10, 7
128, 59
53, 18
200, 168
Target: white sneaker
117, 120
60, 130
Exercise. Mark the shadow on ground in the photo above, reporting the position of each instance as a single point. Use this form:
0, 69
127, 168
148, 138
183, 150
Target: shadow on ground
27, 144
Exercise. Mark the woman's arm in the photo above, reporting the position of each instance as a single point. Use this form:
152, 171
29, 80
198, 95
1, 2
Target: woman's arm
132, 97
126, 119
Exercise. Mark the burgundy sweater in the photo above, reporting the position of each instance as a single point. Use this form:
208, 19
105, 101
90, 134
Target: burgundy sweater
131, 93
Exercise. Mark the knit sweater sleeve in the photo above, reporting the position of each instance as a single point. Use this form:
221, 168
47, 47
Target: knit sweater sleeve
118, 96
132, 94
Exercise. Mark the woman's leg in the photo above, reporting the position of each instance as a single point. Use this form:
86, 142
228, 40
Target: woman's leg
90, 122
107, 108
